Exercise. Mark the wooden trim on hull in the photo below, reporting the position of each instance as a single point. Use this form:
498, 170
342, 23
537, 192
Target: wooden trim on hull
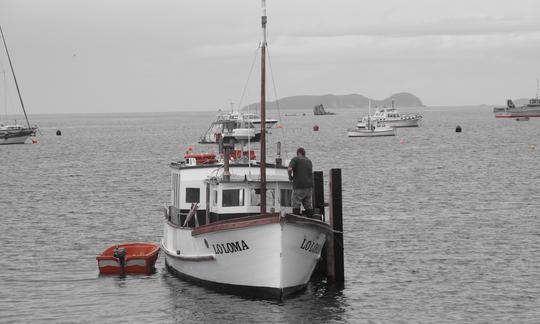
239, 290
236, 223
300, 220
194, 258
257, 221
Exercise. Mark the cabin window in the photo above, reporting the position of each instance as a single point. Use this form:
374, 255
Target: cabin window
214, 197
256, 197
286, 198
193, 195
232, 197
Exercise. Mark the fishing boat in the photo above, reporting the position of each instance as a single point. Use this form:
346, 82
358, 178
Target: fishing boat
372, 128
393, 118
230, 226
521, 113
14, 134
228, 123
128, 258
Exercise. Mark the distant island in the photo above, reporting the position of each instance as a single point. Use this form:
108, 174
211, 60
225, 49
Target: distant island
330, 101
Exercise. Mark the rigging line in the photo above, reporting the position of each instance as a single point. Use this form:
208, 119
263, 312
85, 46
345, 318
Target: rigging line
283, 134
248, 78
14, 78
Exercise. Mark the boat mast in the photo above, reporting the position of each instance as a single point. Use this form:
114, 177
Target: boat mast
14, 78
537, 86
263, 110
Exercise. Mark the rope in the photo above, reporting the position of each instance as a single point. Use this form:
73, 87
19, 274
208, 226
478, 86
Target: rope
248, 78
282, 133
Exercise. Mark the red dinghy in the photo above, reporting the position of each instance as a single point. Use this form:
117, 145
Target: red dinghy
129, 258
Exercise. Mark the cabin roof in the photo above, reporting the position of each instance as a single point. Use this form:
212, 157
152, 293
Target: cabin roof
182, 166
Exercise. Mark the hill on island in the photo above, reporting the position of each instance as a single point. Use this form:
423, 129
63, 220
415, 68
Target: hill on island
330, 101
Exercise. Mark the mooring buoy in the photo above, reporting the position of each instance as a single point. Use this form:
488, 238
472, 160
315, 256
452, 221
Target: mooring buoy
458, 129
316, 128
58, 133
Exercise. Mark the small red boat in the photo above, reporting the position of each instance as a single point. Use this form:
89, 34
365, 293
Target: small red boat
129, 258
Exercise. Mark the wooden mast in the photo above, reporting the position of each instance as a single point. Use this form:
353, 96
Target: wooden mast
14, 78
263, 111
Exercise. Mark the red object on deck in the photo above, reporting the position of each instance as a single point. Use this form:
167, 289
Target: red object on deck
128, 258
202, 158
236, 154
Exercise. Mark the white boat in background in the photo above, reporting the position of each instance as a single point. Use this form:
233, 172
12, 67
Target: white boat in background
372, 128
393, 118
521, 113
227, 124
14, 134
230, 224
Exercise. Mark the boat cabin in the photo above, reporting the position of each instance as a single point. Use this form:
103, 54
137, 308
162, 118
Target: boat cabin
201, 194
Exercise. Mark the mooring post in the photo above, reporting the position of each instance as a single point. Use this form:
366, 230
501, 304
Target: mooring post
335, 261
318, 192
318, 203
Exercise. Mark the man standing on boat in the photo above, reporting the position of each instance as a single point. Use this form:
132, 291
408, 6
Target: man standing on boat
301, 173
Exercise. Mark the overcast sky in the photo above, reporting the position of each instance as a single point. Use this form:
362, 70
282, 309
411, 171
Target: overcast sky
173, 55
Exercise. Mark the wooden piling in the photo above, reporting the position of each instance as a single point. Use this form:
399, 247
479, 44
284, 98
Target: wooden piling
335, 269
318, 192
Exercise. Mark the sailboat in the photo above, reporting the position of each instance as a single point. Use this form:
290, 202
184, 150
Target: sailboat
15, 133
230, 226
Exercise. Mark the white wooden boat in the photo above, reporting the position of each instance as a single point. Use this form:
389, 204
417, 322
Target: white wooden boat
230, 224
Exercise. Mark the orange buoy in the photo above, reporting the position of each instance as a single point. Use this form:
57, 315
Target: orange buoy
279, 126
34, 140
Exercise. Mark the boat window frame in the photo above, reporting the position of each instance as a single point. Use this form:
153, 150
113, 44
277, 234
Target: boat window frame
192, 189
241, 197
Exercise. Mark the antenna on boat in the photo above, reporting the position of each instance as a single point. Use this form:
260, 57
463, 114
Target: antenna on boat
263, 109
14, 78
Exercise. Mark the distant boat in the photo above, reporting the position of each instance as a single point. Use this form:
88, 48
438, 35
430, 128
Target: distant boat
532, 109
232, 124
14, 134
319, 110
372, 129
393, 118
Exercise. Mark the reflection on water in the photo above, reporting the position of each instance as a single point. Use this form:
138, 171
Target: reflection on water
439, 226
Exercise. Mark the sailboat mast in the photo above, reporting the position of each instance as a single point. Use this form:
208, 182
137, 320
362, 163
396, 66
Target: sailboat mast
14, 78
263, 110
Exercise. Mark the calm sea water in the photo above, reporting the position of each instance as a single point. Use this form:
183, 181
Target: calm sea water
439, 226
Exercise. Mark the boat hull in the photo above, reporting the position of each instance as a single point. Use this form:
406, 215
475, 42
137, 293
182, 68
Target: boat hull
13, 139
264, 256
516, 114
413, 122
369, 133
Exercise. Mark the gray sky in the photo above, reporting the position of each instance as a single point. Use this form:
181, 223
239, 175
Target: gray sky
165, 55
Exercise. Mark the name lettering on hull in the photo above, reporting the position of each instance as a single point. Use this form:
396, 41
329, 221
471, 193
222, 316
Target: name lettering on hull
230, 247
310, 246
